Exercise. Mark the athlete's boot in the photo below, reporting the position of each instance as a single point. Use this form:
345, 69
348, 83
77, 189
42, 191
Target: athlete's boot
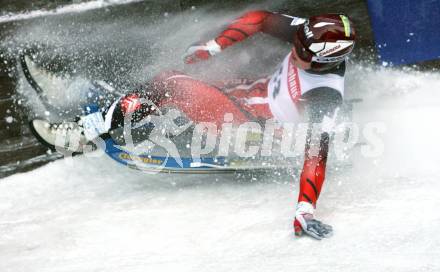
305, 223
64, 136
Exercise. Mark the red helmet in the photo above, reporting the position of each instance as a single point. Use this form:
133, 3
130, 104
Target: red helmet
325, 40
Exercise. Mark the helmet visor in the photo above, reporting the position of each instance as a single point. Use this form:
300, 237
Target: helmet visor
340, 58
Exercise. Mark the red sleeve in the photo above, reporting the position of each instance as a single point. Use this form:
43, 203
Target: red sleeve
313, 173
253, 22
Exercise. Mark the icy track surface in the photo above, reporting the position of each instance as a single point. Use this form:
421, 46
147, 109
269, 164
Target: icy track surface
94, 215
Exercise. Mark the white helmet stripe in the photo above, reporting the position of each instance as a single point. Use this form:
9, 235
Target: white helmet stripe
321, 24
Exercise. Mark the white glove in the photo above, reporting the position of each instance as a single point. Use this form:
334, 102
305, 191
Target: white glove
198, 52
305, 223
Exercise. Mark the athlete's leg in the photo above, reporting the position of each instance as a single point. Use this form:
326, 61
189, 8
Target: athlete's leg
197, 100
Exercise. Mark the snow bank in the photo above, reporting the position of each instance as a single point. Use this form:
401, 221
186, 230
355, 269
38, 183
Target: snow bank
72, 8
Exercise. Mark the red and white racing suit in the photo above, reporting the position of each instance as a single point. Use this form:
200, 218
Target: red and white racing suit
280, 96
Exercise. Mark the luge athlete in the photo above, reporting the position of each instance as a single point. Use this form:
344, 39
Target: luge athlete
311, 78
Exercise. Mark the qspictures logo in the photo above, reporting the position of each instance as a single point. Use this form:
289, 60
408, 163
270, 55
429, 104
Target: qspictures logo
248, 140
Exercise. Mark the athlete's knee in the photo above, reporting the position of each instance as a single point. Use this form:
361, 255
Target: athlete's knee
134, 105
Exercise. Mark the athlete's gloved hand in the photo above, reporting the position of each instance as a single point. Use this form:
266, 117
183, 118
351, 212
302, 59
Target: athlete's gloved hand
199, 51
305, 223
